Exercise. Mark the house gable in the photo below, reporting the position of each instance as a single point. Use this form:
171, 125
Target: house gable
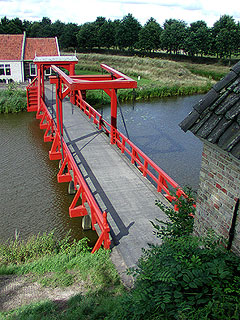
40, 47
11, 47
17, 52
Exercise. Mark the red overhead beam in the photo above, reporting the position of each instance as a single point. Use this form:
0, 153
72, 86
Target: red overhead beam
116, 80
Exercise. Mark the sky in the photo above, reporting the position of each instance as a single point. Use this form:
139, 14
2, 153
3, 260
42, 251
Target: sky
81, 11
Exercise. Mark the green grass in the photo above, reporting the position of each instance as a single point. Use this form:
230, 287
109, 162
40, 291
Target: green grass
91, 306
60, 263
158, 78
43, 254
13, 99
212, 72
184, 278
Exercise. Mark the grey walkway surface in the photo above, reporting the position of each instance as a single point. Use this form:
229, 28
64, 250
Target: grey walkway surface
118, 186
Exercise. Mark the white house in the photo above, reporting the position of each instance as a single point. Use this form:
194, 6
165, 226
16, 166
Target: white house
17, 53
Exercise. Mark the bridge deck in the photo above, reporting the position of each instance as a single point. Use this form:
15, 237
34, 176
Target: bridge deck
118, 186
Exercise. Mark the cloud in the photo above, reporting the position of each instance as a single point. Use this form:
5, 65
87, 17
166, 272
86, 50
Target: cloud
185, 4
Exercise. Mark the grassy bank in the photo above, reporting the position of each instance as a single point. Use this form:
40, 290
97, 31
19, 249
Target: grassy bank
60, 264
158, 78
13, 99
214, 72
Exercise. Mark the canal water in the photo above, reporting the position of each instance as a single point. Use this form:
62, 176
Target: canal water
31, 200
154, 128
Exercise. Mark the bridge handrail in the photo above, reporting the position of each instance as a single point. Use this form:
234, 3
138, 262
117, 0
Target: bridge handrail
89, 110
90, 198
97, 215
135, 153
33, 83
161, 178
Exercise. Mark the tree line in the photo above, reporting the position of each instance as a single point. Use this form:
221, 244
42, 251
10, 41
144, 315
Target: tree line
174, 37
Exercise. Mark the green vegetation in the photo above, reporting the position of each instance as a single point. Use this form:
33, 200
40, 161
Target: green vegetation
13, 99
174, 37
186, 277
179, 223
40, 255
62, 263
158, 78
212, 72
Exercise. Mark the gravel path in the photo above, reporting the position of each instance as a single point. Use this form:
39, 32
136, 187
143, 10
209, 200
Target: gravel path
17, 291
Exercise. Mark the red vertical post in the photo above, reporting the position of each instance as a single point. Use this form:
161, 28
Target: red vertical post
59, 113
60, 107
113, 116
72, 69
39, 86
57, 106
42, 76
72, 73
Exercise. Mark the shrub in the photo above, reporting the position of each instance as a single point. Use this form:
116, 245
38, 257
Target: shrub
179, 222
13, 99
187, 277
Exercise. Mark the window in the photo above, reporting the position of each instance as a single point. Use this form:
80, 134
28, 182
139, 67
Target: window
2, 71
33, 69
7, 69
48, 72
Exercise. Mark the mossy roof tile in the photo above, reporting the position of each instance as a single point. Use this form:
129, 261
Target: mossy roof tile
216, 118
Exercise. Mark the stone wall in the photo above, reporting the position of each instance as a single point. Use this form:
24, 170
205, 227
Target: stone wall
218, 192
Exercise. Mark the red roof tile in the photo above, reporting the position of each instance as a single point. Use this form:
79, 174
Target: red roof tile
40, 47
11, 46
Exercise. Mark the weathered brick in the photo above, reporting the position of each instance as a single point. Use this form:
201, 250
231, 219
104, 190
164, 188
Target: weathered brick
221, 165
218, 192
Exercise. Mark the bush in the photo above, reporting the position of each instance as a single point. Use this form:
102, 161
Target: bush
179, 222
13, 99
187, 277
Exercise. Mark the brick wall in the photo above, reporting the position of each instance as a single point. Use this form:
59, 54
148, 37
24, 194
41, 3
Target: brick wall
218, 193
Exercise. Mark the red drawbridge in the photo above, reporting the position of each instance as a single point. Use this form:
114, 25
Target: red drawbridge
59, 131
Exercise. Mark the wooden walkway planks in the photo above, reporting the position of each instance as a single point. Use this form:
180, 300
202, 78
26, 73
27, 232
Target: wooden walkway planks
117, 185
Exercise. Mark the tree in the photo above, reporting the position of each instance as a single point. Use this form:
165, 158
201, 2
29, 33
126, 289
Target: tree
58, 28
127, 32
225, 34
198, 38
86, 37
173, 35
106, 34
149, 35
68, 37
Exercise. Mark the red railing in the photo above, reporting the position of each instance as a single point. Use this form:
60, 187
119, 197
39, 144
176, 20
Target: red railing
69, 171
30, 86
33, 83
145, 164
89, 110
